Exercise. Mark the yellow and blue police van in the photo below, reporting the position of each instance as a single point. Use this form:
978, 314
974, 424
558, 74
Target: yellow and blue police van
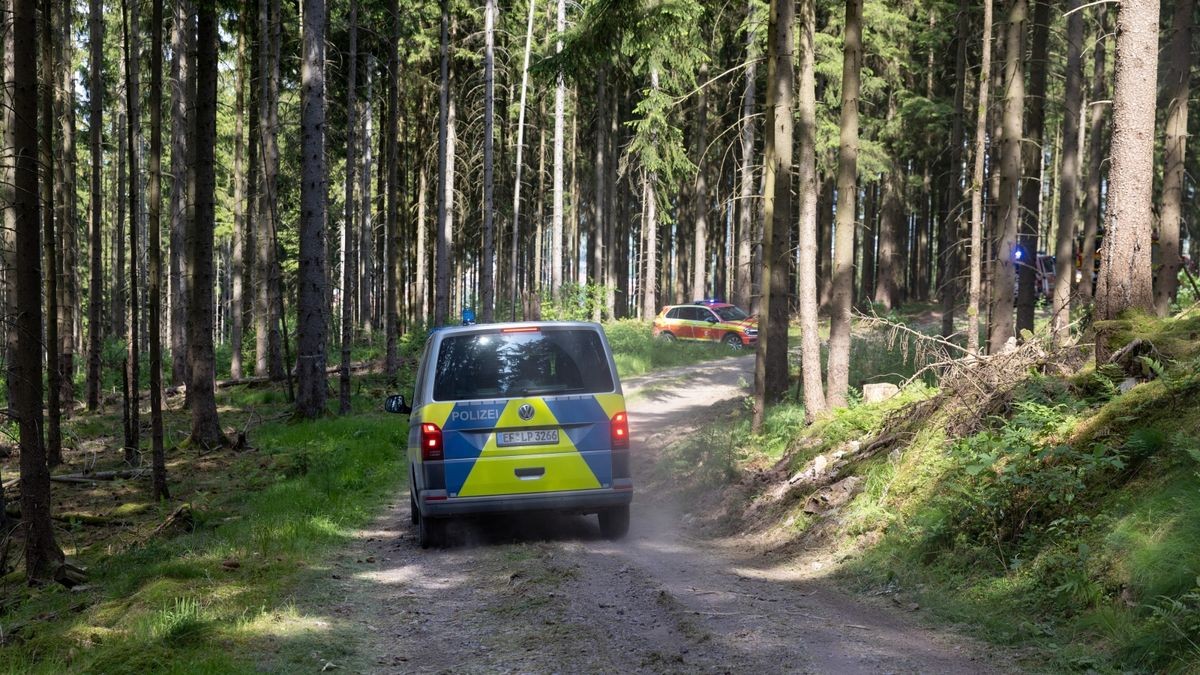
517, 417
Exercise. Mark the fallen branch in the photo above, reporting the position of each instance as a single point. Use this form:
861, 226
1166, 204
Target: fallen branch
181, 517
99, 476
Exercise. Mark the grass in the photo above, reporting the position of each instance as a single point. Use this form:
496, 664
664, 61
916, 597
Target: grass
1069, 526
263, 522
637, 352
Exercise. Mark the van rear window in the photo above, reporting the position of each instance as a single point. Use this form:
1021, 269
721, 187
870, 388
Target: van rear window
505, 365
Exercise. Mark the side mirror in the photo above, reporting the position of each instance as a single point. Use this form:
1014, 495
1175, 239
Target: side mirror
396, 404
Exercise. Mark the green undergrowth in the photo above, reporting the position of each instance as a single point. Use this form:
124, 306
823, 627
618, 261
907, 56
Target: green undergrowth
636, 350
198, 599
1067, 524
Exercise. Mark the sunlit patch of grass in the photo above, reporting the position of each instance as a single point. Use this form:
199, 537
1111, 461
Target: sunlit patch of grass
194, 602
636, 350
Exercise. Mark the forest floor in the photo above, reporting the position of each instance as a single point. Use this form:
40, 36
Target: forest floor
547, 594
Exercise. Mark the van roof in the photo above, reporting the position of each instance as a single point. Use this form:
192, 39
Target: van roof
493, 327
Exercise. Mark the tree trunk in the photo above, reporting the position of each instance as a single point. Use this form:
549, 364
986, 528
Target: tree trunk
746, 201
976, 185
446, 141
810, 338
154, 190
1125, 273
1060, 317
45, 140
206, 430
700, 196
68, 307
349, 236
42, 555
949, 247
1005, 235
771, 366
182, 168
7, 179
391, 216
487, 280
133, 354
516, 246
1091, 202
889, 271
366, 259
237, 260
601, 220
311, 300
1031, 191
843, 270
96, 195
1174, 152
556, 211
650, 225
268, 347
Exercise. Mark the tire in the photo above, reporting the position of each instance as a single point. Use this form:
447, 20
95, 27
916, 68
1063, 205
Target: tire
431, 532
667, 336
614, 523
733, 342
413, 513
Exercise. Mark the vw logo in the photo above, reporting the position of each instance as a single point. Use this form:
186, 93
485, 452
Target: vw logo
525, 412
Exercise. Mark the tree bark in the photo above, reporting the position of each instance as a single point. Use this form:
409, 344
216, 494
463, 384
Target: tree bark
349, 236
391, 217
1174, 154
700, 193
154, 190
96, 196
43, 558
53, 447
1005, 235
311, 302
366, 258
556, 210
1060, 317
949, 248
976, 184
487, 281
843, 270
446, 138
182, 168
771, 366
746, 202
206, 430
1091, 202
69, 323
133, 354
237, 260
268, 347
1031, 191
889, 273
1125, 273
810, 339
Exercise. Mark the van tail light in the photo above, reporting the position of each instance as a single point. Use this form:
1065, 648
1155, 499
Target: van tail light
620, 431
431, 441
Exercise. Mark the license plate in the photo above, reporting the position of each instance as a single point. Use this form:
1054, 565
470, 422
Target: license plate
527, 437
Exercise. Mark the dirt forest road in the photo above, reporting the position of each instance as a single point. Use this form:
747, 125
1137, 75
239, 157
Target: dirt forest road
548, 595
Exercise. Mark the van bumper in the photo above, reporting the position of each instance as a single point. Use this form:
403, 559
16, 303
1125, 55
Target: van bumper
435, 503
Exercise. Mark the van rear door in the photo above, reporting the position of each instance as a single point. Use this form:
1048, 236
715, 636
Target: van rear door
530, 410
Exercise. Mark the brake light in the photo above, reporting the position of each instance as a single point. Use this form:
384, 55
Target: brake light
620, 431
431, 441
523, 329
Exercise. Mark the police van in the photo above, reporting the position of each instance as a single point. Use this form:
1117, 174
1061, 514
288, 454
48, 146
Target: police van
517, 417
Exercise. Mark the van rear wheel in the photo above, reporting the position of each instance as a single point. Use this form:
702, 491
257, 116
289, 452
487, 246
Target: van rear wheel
413, 513
431, 532
614, 522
